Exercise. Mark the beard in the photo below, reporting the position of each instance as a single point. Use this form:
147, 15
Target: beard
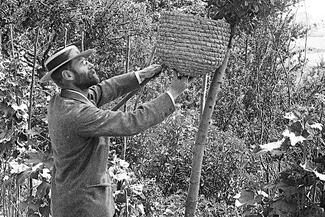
84, 81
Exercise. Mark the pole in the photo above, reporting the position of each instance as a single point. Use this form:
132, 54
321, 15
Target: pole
204, 93
31, 101
32, 82
127, 66
201, 137
65, 36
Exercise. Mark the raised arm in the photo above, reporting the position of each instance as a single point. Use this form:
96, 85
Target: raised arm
93, 121
113, 88
117, 86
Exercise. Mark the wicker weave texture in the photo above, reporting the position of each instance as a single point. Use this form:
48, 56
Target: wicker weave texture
190, 44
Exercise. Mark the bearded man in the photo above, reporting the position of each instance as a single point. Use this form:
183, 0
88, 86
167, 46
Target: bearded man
80, 183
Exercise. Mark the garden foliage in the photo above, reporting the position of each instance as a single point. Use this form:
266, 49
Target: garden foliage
265, 151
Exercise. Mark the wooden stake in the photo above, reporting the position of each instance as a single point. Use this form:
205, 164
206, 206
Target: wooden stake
32, 82
12, 42
82, 39
12, 58
65, 36
201, 137
0, 43
127, 65
31, 101
4, 193
204, 93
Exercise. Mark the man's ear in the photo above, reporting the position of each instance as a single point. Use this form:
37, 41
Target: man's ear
68, 75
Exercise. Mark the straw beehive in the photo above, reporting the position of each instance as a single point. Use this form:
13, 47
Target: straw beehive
190, 44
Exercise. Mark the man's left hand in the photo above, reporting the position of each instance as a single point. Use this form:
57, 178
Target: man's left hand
149, 71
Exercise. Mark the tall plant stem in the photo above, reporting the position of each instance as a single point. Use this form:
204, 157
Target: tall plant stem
198, 152
32, 82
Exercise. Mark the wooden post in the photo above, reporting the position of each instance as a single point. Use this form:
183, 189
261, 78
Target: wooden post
32, 82
201, 137
65, 36
204, 93
31, 101
0, 43
12, 42
127, 66
4, 192
82, 38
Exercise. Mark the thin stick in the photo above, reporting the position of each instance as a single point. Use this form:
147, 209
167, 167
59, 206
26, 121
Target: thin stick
0, 42
82, 39
31, 101
204, 93
127, 66
126, 203
32, 82
4, 193
201, 136
65, 36
12, 42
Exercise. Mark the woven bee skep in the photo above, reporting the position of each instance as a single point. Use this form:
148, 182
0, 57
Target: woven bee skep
190, 44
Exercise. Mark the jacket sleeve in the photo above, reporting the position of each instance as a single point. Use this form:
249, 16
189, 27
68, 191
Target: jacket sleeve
113, 88
92, 121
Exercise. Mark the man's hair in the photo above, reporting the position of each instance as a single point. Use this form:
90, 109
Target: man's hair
57, 74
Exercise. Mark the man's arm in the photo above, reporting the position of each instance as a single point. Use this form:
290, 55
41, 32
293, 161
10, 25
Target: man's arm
117, 86
92, 121
113, 88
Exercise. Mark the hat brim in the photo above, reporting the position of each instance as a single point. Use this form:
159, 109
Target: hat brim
47, 76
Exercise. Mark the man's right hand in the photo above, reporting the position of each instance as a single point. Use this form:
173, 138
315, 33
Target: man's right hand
177, 86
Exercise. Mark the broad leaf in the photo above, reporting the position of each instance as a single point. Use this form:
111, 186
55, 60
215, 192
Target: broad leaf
43, 189
283, 208
245, 197
271, 146
293, 138
308, 166
290, 116
317, 126
296, 128
320, 176
18, 168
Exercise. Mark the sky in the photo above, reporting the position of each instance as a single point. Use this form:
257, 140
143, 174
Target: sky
311, 11
312, 14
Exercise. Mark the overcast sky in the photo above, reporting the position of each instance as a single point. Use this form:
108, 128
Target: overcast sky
311, 11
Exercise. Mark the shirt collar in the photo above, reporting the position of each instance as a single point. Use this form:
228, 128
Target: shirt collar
72, 94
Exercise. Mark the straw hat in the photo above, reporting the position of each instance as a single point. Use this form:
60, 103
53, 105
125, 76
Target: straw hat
62, 57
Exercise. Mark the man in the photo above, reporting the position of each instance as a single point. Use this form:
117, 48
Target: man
80, 184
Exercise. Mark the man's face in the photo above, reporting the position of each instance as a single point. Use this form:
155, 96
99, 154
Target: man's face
85, 75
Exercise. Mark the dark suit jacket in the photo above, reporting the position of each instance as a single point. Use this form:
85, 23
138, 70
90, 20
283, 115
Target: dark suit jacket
80, 184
